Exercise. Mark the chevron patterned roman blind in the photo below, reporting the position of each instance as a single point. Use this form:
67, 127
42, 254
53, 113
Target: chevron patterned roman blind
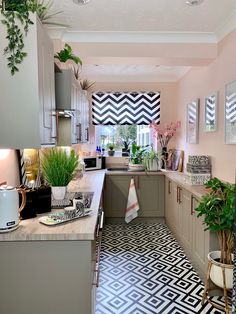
111, 108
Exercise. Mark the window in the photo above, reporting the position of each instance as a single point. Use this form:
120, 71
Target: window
124, 116
117, 134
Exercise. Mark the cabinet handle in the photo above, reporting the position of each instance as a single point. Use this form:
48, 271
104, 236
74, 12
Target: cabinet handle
180, 201
169, 186
177, 195
192, 209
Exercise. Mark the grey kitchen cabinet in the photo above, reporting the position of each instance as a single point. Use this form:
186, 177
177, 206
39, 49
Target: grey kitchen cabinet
150, 193
186, 226
116, 195
28, 97
72, 109
185, 219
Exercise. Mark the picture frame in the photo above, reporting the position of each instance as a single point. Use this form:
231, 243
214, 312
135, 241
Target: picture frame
192, 123
230, 113
210, 112
29, 167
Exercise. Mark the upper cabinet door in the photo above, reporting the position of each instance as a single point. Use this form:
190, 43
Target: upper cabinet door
27, 98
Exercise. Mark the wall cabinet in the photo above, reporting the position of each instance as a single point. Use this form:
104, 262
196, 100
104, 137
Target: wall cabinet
72, 109
186, 226
28, 97
150, 191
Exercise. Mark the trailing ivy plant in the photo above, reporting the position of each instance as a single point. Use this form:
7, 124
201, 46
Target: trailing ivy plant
17, 21
12, 12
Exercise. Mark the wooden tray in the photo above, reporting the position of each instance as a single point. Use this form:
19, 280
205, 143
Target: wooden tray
60, 218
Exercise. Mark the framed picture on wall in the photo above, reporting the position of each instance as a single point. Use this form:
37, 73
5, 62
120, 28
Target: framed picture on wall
230, 113
192, 122
210, 112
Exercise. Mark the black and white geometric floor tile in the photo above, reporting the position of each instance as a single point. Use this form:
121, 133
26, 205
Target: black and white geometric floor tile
145, 271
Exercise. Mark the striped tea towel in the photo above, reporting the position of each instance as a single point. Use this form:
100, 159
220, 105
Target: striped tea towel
132, 208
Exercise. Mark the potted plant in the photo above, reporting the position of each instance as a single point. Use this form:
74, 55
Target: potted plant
86, 84
65, 55
136, 158
218, 211
110, 151
16, 19
152, 160
59, 168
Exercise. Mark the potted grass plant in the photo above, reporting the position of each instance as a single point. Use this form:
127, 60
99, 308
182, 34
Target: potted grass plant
59, 168
218, 210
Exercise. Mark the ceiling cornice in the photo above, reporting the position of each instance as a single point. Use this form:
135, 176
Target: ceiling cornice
226, 28
131, 37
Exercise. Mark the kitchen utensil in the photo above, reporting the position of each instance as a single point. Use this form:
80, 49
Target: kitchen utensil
9, 207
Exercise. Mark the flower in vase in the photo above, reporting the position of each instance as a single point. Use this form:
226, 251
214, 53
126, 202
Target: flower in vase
164, 133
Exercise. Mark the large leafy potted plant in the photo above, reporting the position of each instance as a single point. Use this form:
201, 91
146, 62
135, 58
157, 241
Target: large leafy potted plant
59, 168
136, 158
218, 210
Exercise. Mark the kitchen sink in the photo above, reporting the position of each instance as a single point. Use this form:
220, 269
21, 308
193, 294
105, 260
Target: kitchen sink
118, 169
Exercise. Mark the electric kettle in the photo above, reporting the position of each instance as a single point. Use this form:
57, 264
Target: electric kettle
9, 207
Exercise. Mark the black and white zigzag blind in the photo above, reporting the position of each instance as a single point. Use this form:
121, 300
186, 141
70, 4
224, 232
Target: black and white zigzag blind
111, 108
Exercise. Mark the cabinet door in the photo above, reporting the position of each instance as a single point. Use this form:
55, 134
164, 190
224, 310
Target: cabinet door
116, 195
151, 196
168, 202
46, 87
200, 240
175, 210
185, 219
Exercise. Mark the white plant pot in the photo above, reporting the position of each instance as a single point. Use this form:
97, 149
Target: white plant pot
58, 192
152, 165
136, 167
216, 273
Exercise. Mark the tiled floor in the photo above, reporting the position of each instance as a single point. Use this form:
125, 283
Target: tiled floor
144, 271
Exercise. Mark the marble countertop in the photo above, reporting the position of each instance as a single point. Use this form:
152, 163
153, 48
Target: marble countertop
78, 229
84, 228
179, 178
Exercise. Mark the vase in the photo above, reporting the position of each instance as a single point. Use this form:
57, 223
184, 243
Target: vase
164, 155
58, 192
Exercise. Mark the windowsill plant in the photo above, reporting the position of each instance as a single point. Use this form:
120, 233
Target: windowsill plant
151, 160
111, 151
136, 158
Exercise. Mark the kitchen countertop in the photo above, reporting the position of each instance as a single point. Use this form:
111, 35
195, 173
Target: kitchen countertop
79, 229
179, 178
84, 228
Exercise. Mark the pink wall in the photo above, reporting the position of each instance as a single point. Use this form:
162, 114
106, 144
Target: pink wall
9, 167
200, 82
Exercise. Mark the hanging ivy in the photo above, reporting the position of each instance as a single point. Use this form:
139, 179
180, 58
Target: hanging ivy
17, 21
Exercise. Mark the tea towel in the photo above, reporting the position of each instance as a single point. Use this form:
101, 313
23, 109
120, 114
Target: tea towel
132, 208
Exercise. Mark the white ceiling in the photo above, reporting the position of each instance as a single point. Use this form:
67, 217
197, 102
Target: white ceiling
145, 15
132, 21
